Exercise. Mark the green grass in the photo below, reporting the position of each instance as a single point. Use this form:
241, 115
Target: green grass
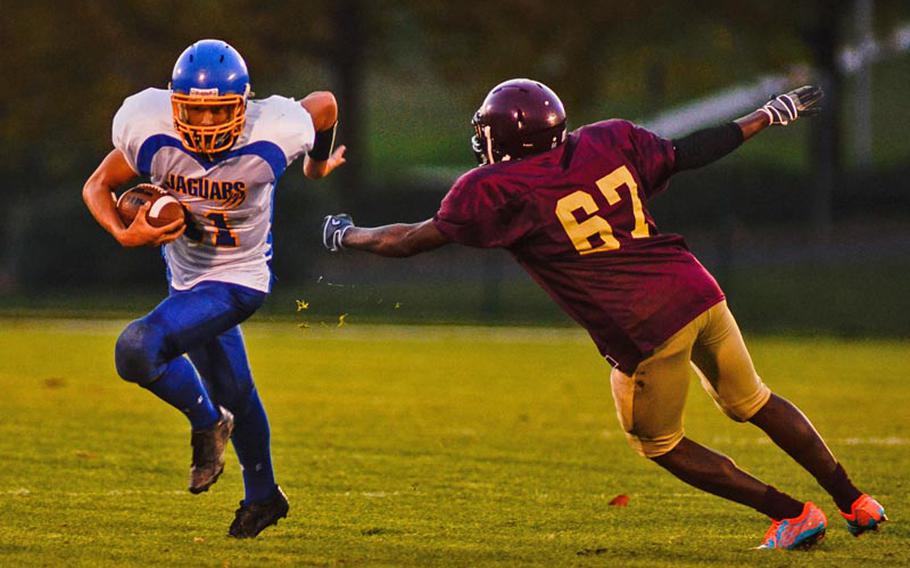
403, 446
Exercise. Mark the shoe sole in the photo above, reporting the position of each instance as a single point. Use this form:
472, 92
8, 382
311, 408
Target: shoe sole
196, 490
858, 531
809, 541
270, 523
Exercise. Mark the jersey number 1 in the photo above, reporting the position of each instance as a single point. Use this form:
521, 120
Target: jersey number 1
581, 232
223, 236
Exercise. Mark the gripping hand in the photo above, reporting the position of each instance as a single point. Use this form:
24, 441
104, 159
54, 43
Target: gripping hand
333, 229
786, 108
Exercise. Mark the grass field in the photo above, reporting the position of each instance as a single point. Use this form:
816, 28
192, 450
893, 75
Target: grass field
424, 446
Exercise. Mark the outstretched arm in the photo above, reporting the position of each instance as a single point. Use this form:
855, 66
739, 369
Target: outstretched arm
710, 144
398, 240
321, 160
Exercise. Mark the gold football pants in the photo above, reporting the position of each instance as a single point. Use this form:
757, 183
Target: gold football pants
650, 402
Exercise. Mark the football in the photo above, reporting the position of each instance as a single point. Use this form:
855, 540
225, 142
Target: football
165, 207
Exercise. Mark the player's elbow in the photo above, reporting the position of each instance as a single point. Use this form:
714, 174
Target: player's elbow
91, 188
86, 191
323, 109
328, 115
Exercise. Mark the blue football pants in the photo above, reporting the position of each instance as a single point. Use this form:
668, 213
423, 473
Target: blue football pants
203, 323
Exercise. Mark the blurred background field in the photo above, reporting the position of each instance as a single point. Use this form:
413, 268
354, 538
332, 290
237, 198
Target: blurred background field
806, 228
425, 446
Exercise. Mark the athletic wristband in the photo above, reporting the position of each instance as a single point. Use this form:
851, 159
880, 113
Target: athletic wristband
323, 143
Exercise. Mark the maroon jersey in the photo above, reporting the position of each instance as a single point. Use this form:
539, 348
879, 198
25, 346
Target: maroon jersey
576, 219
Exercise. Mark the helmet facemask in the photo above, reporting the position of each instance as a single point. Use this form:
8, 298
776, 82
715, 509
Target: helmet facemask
215, 138
488, 151
482, 144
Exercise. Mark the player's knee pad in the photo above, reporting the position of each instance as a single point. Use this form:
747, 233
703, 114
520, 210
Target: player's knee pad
744, 409
654, 447
648, 432
137, 354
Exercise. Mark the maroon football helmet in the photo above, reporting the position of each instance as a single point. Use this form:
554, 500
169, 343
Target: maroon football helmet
519, 117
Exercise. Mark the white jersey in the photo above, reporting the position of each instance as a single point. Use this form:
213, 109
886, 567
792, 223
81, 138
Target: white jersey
230, 199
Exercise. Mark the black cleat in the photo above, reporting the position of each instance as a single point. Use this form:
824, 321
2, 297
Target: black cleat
208, 452
250, 520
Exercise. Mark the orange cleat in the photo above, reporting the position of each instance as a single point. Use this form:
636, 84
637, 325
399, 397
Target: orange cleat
866, 514
800, 532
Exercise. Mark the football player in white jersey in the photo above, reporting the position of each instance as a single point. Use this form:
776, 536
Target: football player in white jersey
221, 154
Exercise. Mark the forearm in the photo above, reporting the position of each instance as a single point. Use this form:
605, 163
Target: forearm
315, 169
98, 193
752, 123
389, 240
708, 145
99, 199
320, 160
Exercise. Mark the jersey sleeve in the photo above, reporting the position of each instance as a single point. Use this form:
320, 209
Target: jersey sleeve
136, 120
655, 159
478, 213
288, 125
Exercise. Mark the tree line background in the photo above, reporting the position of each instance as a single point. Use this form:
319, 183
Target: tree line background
408, 76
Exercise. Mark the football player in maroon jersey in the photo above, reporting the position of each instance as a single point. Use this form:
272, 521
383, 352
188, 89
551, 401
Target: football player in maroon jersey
571, 207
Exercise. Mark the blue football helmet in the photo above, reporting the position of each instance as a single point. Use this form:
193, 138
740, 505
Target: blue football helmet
210, 74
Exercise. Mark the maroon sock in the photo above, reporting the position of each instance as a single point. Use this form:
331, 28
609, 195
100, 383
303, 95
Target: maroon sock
779, 505
838, 484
